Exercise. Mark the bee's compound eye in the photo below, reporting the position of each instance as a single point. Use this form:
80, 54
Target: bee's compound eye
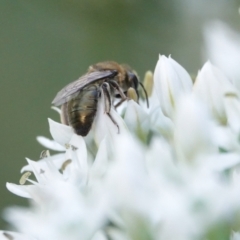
133, 79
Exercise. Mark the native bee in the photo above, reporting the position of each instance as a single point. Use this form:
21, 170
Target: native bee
79, 99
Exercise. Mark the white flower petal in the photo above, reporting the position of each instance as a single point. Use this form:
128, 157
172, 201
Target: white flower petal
103, 125
117, 234
222, 162
100, 165
193, 134
99, 236
226, 139
211, 86
50, 144
79, 165
159, 122
170, 81
83, 215
57, 160
136, 119
159, 159
44, 173
20, 190
223, 48
153, 102
235, 236
60, 133
128, 176
232, 106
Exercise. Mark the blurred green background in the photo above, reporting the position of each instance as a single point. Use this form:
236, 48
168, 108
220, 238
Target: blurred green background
48, 43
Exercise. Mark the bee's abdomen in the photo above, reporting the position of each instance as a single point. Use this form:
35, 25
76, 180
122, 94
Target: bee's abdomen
82, 110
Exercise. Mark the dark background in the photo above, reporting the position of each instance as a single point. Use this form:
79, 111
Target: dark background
46, 44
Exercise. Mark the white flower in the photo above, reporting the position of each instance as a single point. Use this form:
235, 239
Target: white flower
235, 236
146, 176
137, 120
193, 135
103, 125
222, 47
54, 190
211, 86
170, 81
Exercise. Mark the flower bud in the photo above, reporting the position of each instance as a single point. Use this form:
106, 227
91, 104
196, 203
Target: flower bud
171, 81
211, 86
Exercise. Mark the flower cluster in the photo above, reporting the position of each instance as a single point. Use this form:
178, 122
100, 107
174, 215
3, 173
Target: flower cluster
171, 173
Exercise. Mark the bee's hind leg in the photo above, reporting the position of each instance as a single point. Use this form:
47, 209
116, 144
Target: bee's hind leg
107, 103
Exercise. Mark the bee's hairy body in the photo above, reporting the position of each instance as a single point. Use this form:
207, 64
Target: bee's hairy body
122, 78
80, 111
79, 99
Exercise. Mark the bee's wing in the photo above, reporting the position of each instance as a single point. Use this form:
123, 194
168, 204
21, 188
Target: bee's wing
67, 92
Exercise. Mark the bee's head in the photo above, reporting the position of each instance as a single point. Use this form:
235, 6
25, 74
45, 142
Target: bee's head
133, 79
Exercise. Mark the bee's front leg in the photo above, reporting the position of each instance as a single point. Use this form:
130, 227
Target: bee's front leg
107, 102
115, 85
131, 95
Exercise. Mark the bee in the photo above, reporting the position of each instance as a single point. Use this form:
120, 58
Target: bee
79, 99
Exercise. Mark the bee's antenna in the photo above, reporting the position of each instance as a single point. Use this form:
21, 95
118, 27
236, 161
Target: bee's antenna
146, 95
